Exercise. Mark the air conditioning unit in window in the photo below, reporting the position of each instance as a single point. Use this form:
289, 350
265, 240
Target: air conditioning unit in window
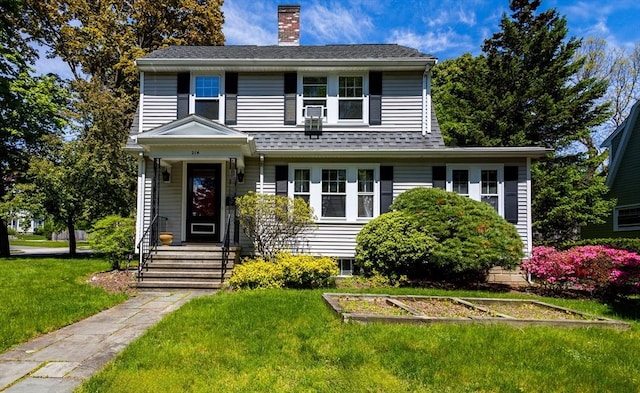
313, 116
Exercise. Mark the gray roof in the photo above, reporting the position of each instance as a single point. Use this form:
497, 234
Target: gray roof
352, 52
346, 140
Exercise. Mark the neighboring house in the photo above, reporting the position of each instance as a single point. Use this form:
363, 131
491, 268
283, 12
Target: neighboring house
623, 180
21, 223
346, 127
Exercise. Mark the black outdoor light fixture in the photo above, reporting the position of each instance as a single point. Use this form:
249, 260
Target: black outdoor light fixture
166, 176
240, 177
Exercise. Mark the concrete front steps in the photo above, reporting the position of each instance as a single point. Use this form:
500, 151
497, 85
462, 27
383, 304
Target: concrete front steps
187, 267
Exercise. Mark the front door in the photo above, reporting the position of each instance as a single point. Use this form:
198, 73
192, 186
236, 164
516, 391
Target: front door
203, 202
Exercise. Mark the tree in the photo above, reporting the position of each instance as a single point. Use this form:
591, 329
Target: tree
32, 109
525, 91
100, 41
273, 222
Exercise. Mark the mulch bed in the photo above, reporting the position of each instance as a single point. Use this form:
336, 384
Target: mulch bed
115, 281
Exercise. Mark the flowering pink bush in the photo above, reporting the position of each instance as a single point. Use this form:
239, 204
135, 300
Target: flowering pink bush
594, 268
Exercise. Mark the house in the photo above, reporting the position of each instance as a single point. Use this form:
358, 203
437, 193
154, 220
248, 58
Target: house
346, 127
623, 180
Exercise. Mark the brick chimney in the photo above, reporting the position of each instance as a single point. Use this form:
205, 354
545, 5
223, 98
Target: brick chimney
288, 25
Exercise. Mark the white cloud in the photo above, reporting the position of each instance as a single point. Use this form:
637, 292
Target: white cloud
432, 42
334, 24
250, 23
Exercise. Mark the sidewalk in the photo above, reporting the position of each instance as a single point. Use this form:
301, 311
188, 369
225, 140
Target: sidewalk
59, 361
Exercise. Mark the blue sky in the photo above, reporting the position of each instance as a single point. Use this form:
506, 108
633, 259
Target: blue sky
443, 28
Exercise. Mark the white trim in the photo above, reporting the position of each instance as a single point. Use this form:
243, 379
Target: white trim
529, 218
332, 99
616, 228
140, 208
141, 104
424, 105
351, 189
475, 180
221, 94
261, 174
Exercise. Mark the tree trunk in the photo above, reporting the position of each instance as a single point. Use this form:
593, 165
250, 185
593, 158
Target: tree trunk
72, 237
4, 240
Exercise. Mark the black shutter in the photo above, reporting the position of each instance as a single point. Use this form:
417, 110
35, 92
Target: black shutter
511, 194
290, 97
184, 80
386, 188
439, 177
282, 180
375, 98
231, 98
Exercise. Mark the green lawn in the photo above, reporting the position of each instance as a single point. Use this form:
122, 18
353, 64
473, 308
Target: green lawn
41, 295
289, 341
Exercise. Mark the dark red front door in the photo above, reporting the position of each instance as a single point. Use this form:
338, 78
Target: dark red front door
203, 202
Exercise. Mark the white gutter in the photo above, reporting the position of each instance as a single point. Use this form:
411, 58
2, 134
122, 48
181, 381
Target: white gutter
445, 152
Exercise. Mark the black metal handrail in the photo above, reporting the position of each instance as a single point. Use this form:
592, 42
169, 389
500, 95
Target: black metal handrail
225, 246
148, 243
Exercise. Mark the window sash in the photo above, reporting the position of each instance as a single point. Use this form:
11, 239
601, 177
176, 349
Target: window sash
207, 86
481, 182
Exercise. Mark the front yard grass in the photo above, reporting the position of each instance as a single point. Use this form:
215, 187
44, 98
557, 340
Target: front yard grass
40, 295
290, 341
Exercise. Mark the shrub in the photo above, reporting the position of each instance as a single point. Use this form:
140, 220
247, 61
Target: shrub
285, 271
113, 237
11, 231
469, 236
273, 222
393, 245
598, 269
255, 274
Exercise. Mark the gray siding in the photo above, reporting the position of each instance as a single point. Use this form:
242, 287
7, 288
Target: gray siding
171, 202
401, 101
260, 101
338, 239
159, 101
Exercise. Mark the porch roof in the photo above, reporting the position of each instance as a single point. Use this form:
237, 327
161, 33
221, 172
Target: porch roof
180, 138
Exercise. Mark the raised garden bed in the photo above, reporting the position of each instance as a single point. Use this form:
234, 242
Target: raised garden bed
366, 308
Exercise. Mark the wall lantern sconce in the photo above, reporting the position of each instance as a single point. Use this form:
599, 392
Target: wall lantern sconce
240, 177
166, 175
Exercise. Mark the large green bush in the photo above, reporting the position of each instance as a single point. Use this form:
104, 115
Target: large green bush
469, 237
114, 238
393, 245
285, 271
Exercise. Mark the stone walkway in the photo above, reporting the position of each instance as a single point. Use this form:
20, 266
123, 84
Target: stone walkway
59, 361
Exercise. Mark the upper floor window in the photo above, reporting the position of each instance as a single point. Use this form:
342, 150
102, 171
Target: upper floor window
207, 96
314, 91
342, 97
350, 97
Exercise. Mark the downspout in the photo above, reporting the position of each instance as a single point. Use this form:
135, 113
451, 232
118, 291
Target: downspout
529, 218
426, 100
261, 174
140, 103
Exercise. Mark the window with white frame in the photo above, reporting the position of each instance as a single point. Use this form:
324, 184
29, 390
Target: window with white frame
365, 192
350, 97
207, 96
343, 97
334, 192
483, 183
314, 92
338, 192
489, 188
301, 184
626, 218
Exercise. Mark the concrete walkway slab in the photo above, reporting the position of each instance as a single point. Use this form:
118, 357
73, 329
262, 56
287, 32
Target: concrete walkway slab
59, 361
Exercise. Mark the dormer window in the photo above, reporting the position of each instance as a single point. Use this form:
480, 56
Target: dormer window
207, 96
